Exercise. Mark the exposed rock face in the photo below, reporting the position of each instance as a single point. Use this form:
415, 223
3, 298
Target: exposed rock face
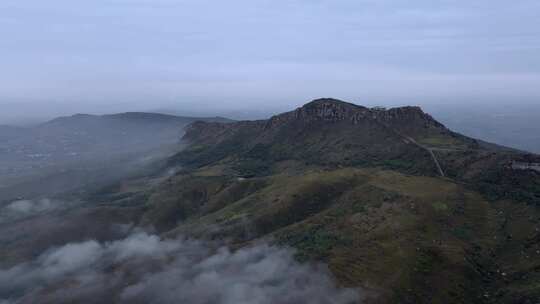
407, 115
327, 110
333, 110
330, 110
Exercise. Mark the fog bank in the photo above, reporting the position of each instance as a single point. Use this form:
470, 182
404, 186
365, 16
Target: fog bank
144, 268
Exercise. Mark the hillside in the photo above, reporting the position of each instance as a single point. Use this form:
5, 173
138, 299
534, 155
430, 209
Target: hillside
392, 200
396, 204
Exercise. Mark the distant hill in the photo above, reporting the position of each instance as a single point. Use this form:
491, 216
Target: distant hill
10, 132
62, 144
82, 133
85, 134
132, 117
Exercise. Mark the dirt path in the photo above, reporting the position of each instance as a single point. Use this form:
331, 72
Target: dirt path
409, 139
430, 151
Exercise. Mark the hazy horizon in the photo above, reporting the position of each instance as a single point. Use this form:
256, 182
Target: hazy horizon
473, 66
63, 57
27, 114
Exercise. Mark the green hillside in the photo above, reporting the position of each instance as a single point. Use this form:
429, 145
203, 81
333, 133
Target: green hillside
393, 201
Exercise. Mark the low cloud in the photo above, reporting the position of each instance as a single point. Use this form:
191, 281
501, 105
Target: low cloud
144, 268
21, 209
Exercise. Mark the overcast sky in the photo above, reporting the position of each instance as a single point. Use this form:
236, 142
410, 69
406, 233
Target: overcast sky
144, 54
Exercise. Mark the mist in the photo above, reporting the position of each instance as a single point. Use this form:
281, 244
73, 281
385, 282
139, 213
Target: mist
145, 268
72, 152
22, 209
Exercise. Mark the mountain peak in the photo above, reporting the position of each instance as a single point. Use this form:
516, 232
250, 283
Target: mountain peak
335, 116
334, 110
328, 102
323, 109
408, 115
329, 109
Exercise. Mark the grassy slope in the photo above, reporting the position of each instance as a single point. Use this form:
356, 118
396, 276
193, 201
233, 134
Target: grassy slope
367, 202
410, 239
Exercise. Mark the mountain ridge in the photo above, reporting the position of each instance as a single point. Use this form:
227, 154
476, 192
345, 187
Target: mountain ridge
334, 110
334, 133
392, 200
133, 116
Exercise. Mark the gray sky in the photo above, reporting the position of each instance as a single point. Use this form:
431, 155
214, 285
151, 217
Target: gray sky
265, 54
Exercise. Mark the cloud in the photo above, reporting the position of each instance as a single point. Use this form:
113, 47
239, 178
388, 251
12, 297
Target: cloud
257, 275
28, 206
144, 268
21, 209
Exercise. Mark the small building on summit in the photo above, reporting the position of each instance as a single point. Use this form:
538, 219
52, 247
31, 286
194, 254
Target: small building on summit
516, 165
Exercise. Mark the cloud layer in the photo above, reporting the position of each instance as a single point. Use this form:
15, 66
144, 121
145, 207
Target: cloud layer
21, 209
143, 268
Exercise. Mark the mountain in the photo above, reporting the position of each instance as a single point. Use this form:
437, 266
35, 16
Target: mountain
395, 203
332, 133
392, 200
328, 131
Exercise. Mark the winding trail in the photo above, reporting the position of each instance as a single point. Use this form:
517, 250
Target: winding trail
430, 151
408, 139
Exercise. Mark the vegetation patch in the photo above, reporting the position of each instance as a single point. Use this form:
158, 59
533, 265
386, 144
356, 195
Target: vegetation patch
463, 233
440, 207
249, 168
396, 164
313, 243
